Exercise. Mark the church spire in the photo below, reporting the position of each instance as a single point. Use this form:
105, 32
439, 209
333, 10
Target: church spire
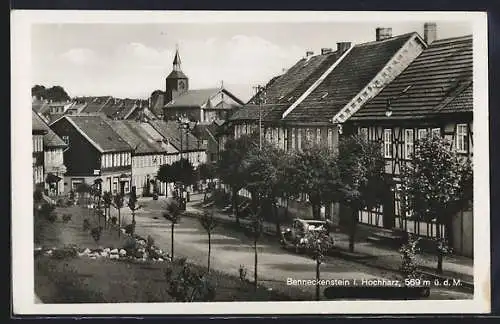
177, 59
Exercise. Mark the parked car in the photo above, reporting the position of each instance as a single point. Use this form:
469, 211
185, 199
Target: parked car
295, 237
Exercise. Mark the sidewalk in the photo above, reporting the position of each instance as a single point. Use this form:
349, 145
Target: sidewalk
381, 257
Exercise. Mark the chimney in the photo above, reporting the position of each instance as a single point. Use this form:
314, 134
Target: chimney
343, 46
309, 53
325, 51
430, 32
383, 33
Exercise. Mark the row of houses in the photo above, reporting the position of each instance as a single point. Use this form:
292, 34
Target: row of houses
124, 154
393, 91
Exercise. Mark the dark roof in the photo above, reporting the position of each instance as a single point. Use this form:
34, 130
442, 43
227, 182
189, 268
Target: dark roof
438, 80
95, 104
99, 132
136, 136
193, 98
284, 90
50, 139
349, 77
37, 124
170, 130
463, 102
177, 75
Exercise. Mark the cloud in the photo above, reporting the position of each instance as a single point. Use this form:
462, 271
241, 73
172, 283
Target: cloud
134, 67
80, 56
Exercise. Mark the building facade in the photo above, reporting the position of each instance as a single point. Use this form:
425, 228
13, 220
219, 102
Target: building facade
312, 100
433, 96
94, 152
150, 151
37, 132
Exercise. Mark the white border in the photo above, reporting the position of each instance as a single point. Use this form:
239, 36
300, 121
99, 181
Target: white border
22, 243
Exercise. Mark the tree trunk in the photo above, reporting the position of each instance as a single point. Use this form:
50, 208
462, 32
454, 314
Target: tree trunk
449, 230
235, 206
277, 218
119, 222
172, 237
439, 252
352, 229
286, 209
255, 264
209, 250
317, 278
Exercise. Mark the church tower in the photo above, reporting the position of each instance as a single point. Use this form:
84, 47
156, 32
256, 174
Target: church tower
176, 82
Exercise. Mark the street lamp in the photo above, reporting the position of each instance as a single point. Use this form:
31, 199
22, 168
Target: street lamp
388, 108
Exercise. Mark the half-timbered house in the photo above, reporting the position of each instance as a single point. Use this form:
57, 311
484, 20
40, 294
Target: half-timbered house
432, 96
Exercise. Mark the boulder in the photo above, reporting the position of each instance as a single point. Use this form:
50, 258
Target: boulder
160, 260
114, 251
107, 250
86, 251
123, 252
104, 254
114, 256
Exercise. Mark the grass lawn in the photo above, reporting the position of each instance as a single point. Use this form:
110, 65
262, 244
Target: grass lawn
84, 280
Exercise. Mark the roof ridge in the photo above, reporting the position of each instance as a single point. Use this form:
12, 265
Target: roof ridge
393, 38
450, 39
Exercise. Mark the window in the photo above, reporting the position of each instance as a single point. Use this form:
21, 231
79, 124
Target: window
293, 138
462, 138
436, 132
359, 100
308, 134
408, 143
363, 132
388, 143
318, 136
422, 133
330, 137
299, 138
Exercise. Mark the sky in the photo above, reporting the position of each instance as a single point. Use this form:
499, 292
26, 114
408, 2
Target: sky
132, 60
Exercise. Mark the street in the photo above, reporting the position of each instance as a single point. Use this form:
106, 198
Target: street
231, 248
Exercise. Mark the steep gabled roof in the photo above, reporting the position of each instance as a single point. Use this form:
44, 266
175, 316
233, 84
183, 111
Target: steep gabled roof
50, 139
170, 131
136, 136
177, 75
284, 90
98, 132
437, 81
347, 79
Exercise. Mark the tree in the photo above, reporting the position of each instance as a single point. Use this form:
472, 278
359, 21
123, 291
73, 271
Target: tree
230, 167
319, 243
312, 171
208, 222
107, 200
436, 184
38, 91
55, 93
266, 178
118, 204
255, 232
133, 206
173, 215
207, 171
361, 167
183, 172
